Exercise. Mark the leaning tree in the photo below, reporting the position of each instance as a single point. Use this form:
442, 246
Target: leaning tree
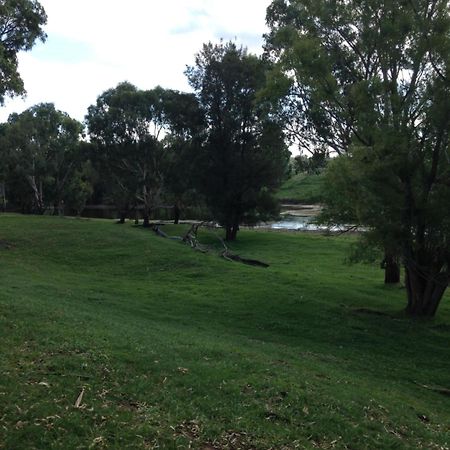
378, 74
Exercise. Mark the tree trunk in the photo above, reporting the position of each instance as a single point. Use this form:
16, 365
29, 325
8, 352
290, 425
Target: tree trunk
176, 214
425, 292
3, 196
122, 217
231, 232
391, 269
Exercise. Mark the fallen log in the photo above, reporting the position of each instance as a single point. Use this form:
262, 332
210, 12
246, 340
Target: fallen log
191, 239
226, 254
251, 262
161, 233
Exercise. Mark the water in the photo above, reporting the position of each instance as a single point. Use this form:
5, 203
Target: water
300, 223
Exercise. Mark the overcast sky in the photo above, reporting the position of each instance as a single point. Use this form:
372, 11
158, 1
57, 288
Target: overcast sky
93, 45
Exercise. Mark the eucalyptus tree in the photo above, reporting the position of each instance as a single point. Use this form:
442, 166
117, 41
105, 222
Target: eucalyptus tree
186, 124
131, 128
21, 25
43, 143
371, 81
243, 156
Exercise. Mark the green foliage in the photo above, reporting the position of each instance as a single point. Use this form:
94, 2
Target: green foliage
183, 142
145, 140
42, 147
244, 157
372, 82
126, 125
302, 354
314, 164
21, 23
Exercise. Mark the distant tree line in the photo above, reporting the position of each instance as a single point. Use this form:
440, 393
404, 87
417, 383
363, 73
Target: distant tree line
220, 147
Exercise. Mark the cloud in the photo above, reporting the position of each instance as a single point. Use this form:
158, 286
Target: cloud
95, 44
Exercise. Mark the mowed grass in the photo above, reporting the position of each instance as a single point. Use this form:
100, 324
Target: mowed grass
173, 348
302, 188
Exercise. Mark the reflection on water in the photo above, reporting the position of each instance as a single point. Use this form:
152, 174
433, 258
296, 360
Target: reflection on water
303, 223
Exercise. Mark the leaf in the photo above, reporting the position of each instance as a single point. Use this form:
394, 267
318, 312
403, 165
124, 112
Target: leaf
79, 399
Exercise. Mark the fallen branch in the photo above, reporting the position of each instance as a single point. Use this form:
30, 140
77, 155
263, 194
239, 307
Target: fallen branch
161, 233
191, 239
229, 256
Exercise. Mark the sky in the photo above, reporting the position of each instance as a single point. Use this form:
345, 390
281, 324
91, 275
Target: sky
93, 45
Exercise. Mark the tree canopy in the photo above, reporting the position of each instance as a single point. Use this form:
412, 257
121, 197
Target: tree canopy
21, 23
243, 157
373, 82
43, 145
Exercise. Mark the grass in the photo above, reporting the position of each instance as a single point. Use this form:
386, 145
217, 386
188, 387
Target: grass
176, 349
301, 188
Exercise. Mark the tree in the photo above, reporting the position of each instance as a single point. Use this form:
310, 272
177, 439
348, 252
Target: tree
378, 74
128, 126
43, 144
185, 122
4, 167
243, 157
21, 23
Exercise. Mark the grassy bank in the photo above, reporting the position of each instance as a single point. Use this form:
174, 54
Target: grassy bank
172, 348
302, 188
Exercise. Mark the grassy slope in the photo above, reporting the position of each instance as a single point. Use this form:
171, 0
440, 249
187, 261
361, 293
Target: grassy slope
173, 346
301, 188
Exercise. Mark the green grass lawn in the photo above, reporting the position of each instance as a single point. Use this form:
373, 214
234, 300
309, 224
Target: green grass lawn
301, 188
175, 349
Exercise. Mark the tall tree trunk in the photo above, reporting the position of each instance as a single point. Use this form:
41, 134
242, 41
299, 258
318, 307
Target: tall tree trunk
176, 214
3, 196
425, 291
391, 269
146, 216
40, 200
231, 232
122, 217
146, 200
